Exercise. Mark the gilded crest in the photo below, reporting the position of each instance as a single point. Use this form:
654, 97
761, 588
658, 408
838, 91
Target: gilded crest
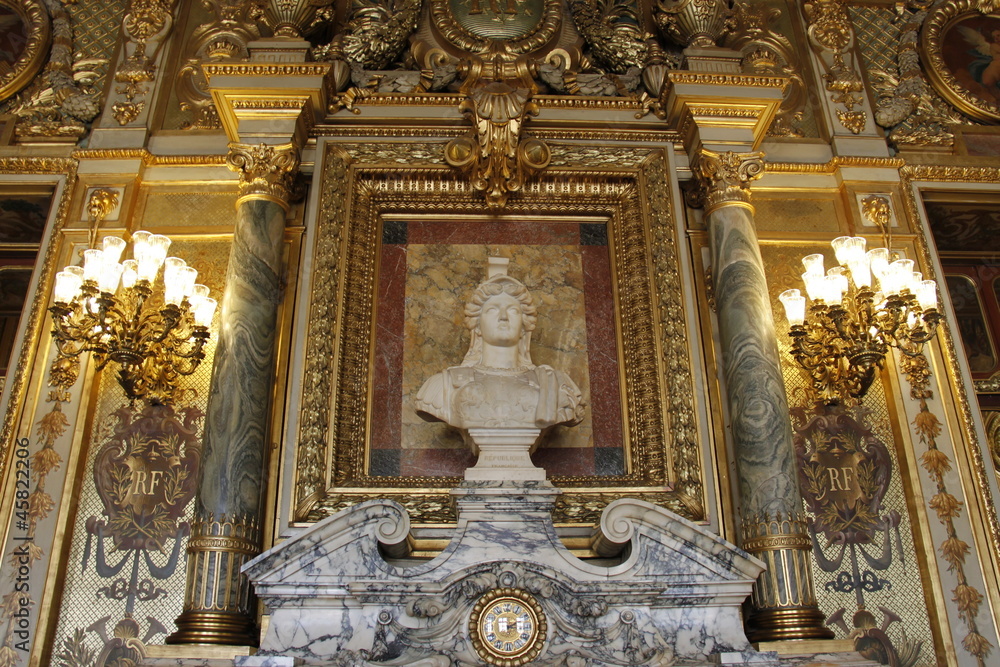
522, 26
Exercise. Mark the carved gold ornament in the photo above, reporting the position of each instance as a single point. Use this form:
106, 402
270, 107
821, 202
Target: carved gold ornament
725, 177
960, 47
514, 26
697, 23
265, 171
29, 34
507, 627
288, 18
146, 25
496, 158
832, 36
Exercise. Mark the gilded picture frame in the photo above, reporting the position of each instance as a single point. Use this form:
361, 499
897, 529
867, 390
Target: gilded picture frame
960, 47
25, 34
365, 185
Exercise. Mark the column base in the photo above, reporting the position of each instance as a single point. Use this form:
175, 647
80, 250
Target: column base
215, 627
772, 625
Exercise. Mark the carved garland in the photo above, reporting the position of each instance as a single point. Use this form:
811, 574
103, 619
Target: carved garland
927, 426
332, 433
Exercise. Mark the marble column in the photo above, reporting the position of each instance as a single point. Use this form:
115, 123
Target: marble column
218, 605
783, 604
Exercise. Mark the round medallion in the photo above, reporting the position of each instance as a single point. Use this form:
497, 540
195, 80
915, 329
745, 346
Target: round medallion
507, 627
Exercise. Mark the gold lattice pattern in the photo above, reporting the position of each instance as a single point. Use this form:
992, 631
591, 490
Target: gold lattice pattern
877, 37
96, 26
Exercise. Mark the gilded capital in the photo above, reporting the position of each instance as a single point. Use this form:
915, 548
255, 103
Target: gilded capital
265, 171
724, 178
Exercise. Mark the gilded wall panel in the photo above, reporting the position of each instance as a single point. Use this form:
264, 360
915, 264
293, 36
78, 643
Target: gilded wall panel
867, 567
138, 481
795, 214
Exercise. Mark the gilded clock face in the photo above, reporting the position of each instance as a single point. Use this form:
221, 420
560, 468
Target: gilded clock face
507, 627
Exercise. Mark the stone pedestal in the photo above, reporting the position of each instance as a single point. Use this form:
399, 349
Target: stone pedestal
504, 453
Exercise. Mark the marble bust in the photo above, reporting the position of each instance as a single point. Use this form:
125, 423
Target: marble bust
497, 385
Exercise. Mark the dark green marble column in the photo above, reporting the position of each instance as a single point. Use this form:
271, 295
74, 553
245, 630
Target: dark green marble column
218, 606
783, 602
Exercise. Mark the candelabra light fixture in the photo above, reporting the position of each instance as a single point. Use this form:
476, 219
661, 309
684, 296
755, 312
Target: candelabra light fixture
856, 311
113, 310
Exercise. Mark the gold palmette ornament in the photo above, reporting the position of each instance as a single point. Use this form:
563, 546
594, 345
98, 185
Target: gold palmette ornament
872, 301
106, 308
697, 23
288, 18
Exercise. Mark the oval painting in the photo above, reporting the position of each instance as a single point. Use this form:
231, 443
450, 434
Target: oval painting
13, 39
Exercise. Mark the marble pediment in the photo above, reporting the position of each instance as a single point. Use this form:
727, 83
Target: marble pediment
343, 592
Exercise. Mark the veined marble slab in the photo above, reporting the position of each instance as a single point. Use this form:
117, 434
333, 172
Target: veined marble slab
673, 596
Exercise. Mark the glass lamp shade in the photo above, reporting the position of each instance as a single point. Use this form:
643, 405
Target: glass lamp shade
149, 250
861, 273
173, 287
67, 286
849, 249
813, 264
832, 293
795, 306
110, 275
898, 277
93, 265
203, 308
814, 285
130, 273
878, 260
113, 247
926, 294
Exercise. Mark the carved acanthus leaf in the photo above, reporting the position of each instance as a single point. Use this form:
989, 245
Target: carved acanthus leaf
725, 177
265, 171
494, 155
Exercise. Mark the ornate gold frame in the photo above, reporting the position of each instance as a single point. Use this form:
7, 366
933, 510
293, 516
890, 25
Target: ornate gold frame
626, 187
36, 18
939, 21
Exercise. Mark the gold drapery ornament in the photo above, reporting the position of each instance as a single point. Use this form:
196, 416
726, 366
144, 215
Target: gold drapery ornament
831, 34
265, 171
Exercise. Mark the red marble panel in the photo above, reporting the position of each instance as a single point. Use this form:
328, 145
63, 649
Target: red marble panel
435, 462
564, 461
387, 390
493, 232
602, 347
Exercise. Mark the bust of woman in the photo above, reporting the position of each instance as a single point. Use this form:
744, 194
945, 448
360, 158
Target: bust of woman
497, 385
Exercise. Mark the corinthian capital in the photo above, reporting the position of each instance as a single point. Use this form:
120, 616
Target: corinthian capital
265, 171
723, 179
